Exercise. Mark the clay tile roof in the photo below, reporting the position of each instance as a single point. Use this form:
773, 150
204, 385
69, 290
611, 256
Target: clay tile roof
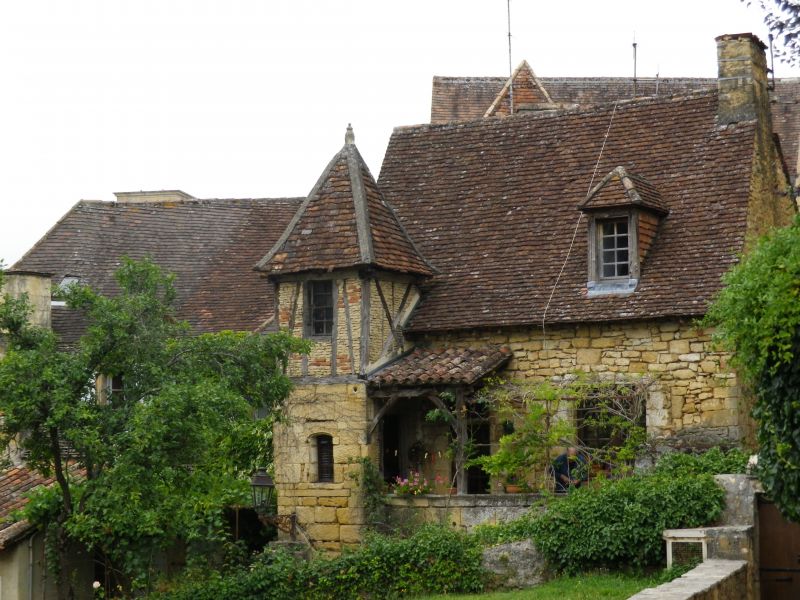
442, 366
468, 98
619, 188
492, 205
15, 482
344, 222
210, 245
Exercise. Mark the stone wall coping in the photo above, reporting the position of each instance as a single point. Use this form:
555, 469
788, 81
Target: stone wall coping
702, 579
704, 532
438, 500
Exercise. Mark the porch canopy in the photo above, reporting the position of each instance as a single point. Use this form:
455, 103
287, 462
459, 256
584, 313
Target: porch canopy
425, 373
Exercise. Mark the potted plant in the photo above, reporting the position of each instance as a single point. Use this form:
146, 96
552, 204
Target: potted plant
413, 485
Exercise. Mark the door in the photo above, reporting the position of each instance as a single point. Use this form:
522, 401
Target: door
391, 448
779, 553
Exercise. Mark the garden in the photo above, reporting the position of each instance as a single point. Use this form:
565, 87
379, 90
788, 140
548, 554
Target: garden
606, 536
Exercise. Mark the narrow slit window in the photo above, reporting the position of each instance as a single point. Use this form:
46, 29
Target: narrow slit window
324, 458
614, 249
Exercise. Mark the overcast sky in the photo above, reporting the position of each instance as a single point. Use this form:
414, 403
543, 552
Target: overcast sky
247, 98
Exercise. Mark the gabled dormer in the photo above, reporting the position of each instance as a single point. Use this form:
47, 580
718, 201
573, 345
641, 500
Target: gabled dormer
346, 272
625, 212
527, 91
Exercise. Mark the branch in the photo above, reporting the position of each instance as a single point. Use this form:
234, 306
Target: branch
59, 471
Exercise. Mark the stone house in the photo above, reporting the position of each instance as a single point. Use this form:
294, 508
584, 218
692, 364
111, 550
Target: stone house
573, 235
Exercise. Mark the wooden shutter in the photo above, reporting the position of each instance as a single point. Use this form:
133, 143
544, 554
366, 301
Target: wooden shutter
324, 458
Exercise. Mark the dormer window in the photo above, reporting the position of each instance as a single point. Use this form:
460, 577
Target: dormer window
624, 213
319, 308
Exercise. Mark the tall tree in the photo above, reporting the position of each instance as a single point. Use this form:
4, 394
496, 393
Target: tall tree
157, 456
757, 316
783, 19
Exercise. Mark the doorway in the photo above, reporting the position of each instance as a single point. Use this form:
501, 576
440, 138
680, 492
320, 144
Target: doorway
779, 553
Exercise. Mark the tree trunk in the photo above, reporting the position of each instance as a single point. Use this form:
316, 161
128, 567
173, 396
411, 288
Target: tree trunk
64, 577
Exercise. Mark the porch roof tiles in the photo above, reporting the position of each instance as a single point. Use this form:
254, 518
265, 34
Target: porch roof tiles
15, 482
441, 366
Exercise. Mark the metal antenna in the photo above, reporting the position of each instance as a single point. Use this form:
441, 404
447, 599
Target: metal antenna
634, 64
658, 72
510, 71
771, 62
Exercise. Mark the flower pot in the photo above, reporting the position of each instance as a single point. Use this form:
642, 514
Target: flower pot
453, 491
512, 488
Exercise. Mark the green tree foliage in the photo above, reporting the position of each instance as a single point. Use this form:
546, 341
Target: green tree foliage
757, 316
158, 459
783, 19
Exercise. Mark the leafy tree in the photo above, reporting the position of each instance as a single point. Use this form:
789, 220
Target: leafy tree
757, 316
158, 458
783, 18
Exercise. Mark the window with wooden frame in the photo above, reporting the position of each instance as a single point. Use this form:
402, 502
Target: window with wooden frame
607, 416
319, 308
324, 458
613, 253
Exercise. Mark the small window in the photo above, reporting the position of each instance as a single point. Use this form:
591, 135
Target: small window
607, 416
319, 306
614, 258
324, 458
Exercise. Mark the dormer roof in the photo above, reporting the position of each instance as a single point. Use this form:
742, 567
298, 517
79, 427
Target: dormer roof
528, 92
620, 189
344, 222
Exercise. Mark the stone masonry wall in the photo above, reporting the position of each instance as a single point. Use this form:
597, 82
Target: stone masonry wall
694, 396
330, 513
37, 287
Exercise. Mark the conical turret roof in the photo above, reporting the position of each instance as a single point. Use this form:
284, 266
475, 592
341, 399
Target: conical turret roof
344, 222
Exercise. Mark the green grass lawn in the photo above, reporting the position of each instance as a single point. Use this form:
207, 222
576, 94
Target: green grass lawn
582, 587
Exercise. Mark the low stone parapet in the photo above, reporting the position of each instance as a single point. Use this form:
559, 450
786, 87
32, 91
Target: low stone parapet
712, 580
465, 511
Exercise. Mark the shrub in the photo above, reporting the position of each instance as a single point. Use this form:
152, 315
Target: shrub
434, 560
713, 462
620, 522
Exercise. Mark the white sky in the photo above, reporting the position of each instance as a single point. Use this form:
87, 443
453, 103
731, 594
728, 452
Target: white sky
248, 98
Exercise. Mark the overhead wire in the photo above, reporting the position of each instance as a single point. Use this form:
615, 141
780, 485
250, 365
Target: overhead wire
575, 231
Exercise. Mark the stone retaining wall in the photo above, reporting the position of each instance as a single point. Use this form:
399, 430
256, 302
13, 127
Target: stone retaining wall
463, 512
711, 580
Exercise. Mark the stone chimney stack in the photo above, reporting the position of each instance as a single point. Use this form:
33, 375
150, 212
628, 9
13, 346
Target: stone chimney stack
37, 287
742, 83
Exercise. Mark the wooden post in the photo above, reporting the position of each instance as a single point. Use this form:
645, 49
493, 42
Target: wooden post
461, 441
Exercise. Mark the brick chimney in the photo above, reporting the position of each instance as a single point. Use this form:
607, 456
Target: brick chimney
742, 83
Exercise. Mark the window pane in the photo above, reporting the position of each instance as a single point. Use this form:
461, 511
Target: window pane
614, 256
320, 309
